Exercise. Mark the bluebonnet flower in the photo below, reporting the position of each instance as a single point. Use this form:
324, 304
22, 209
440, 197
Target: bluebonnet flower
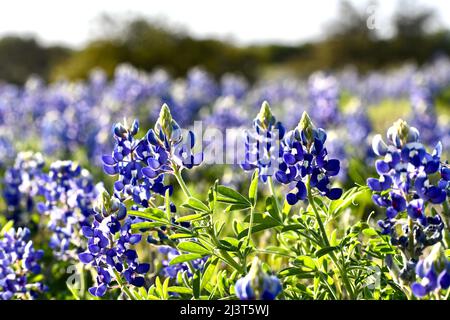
21, 185
257, 284
172, 271
424, 116
324, 99
142, 163
234, 86
304, 156
434, 273
404, 189
358, 127
69, 193
129, 160
262, 143
226, 113
187, 97
109, 249
18, 262
444, 182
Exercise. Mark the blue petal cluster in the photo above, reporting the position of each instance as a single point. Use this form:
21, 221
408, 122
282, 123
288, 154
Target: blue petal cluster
434, 273
172, 271
69, 193
18, 262
110, 242
262, 144
142, 163
257, 285
404, 186
304, 156
21, 185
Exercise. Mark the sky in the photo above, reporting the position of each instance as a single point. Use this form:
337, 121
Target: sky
73, 23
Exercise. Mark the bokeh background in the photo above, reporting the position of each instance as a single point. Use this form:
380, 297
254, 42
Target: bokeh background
68, 72
58, 40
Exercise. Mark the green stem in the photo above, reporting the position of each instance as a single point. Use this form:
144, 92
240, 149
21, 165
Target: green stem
123, 286
272, 192
250, 227
82, 280
316, 213
333, 257
179, 177
411, 238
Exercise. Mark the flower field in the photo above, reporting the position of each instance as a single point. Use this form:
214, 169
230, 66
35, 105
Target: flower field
147, 187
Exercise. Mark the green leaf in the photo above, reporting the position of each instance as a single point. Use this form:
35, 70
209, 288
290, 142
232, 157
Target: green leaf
193, 247
228, 195
337, 206
262, 218
305, 261
325, 251
158, 287
165, 289
180, 236
167, 205
447, 253
212, 196
271, 207
210, 268
196, 284
185, 258
299, 273
180, 290
150, 214
196, 204
255, 229
146, 225
291, 227
229, 244
253, 190
370, 232
6, 227
237, 207
191, 217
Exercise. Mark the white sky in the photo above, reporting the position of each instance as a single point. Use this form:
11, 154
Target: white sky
244, 21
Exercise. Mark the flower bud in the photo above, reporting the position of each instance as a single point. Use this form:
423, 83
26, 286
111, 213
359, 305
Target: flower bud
163, 126
307, 129
401, 133
265, 118
119, 130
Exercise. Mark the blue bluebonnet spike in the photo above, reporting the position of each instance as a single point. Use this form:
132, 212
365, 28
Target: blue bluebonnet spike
404, 188
304, 155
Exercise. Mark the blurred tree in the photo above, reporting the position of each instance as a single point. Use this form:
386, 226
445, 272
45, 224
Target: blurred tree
412, 21
21, 57
149, 44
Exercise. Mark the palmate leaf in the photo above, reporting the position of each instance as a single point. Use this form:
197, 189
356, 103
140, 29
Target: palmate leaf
336, 207
232, 197
6, 227
146, 225
185, 258
193, 247
181, 236
150, 214
255, 229
253, 190
211, 267
180, 290
196, 204
325, 251
192, 217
